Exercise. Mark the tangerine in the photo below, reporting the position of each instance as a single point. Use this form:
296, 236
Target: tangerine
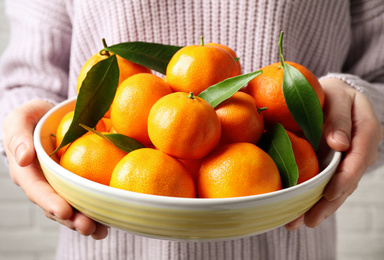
92, 157
267, 90
194, 68
63, 127
231, 51
108, 124
235, 170
184, 126
153, 172
241, 120
305, 157
193, 166
126, 68
133, 100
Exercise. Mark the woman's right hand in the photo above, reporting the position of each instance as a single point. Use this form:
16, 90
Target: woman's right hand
25, 170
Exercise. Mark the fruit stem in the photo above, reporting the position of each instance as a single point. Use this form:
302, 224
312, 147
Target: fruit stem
201, 40
103, 51
190, 95
104, 43
282, 61
261, 109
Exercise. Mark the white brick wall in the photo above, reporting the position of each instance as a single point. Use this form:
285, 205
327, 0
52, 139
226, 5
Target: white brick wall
25, 233
361, 221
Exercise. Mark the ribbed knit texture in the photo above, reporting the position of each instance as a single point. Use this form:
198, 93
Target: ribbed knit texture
275, 245
52, 39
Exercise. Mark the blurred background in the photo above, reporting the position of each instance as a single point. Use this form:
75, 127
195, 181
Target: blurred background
26, 234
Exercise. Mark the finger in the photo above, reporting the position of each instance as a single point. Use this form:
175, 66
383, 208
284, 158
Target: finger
19, 140
38, 190
367, 127
295, 224
82, 224
337, 113
322, 210
363, 151
77, 222
101, 231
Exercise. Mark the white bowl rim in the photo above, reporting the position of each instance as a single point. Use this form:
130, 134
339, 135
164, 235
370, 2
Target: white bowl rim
156, 199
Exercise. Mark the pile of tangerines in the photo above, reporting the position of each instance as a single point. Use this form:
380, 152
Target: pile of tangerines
190, 148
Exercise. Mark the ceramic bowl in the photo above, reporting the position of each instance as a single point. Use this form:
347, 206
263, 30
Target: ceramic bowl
177, 218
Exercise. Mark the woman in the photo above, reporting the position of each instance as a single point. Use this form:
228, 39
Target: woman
337, 40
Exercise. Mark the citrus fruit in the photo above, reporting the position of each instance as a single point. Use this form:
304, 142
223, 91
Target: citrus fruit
153, 172
126, 67
112, 130
235, 170
305, 157
193, 166
196, 67
240, 119
267, 90
231, 51
133, 100
184, 126
87, 66
108, 124
63, 127
92, 157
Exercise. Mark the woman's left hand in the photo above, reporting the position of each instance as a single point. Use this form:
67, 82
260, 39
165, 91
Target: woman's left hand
352, 127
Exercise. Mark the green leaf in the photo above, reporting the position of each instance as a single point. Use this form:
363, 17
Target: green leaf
123, 142
223, 90
94, 99
151, 55
278, 145
303, 104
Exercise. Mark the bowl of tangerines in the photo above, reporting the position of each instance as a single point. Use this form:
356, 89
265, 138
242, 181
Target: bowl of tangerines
175, 142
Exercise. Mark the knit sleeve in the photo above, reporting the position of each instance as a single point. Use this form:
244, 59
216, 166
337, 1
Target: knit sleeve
35, 63
364, 67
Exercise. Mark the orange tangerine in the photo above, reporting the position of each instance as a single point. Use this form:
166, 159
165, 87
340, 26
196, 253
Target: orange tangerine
241, 120
133, 101
64, 126
235, 170
267, 90
153, 172
184, 126
92, 157
196, 67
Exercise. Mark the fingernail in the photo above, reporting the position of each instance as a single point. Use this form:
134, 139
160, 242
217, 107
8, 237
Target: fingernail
341, 137
20, 151
296, 224
333, 197
319, 221
300, 222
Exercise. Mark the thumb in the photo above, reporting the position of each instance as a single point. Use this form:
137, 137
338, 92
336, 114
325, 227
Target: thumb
338, 116
18, 130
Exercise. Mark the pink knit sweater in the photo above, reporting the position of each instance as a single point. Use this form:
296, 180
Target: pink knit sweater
51, 40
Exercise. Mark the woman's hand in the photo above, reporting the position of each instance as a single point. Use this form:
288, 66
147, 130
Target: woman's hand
25, 170
352, 127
